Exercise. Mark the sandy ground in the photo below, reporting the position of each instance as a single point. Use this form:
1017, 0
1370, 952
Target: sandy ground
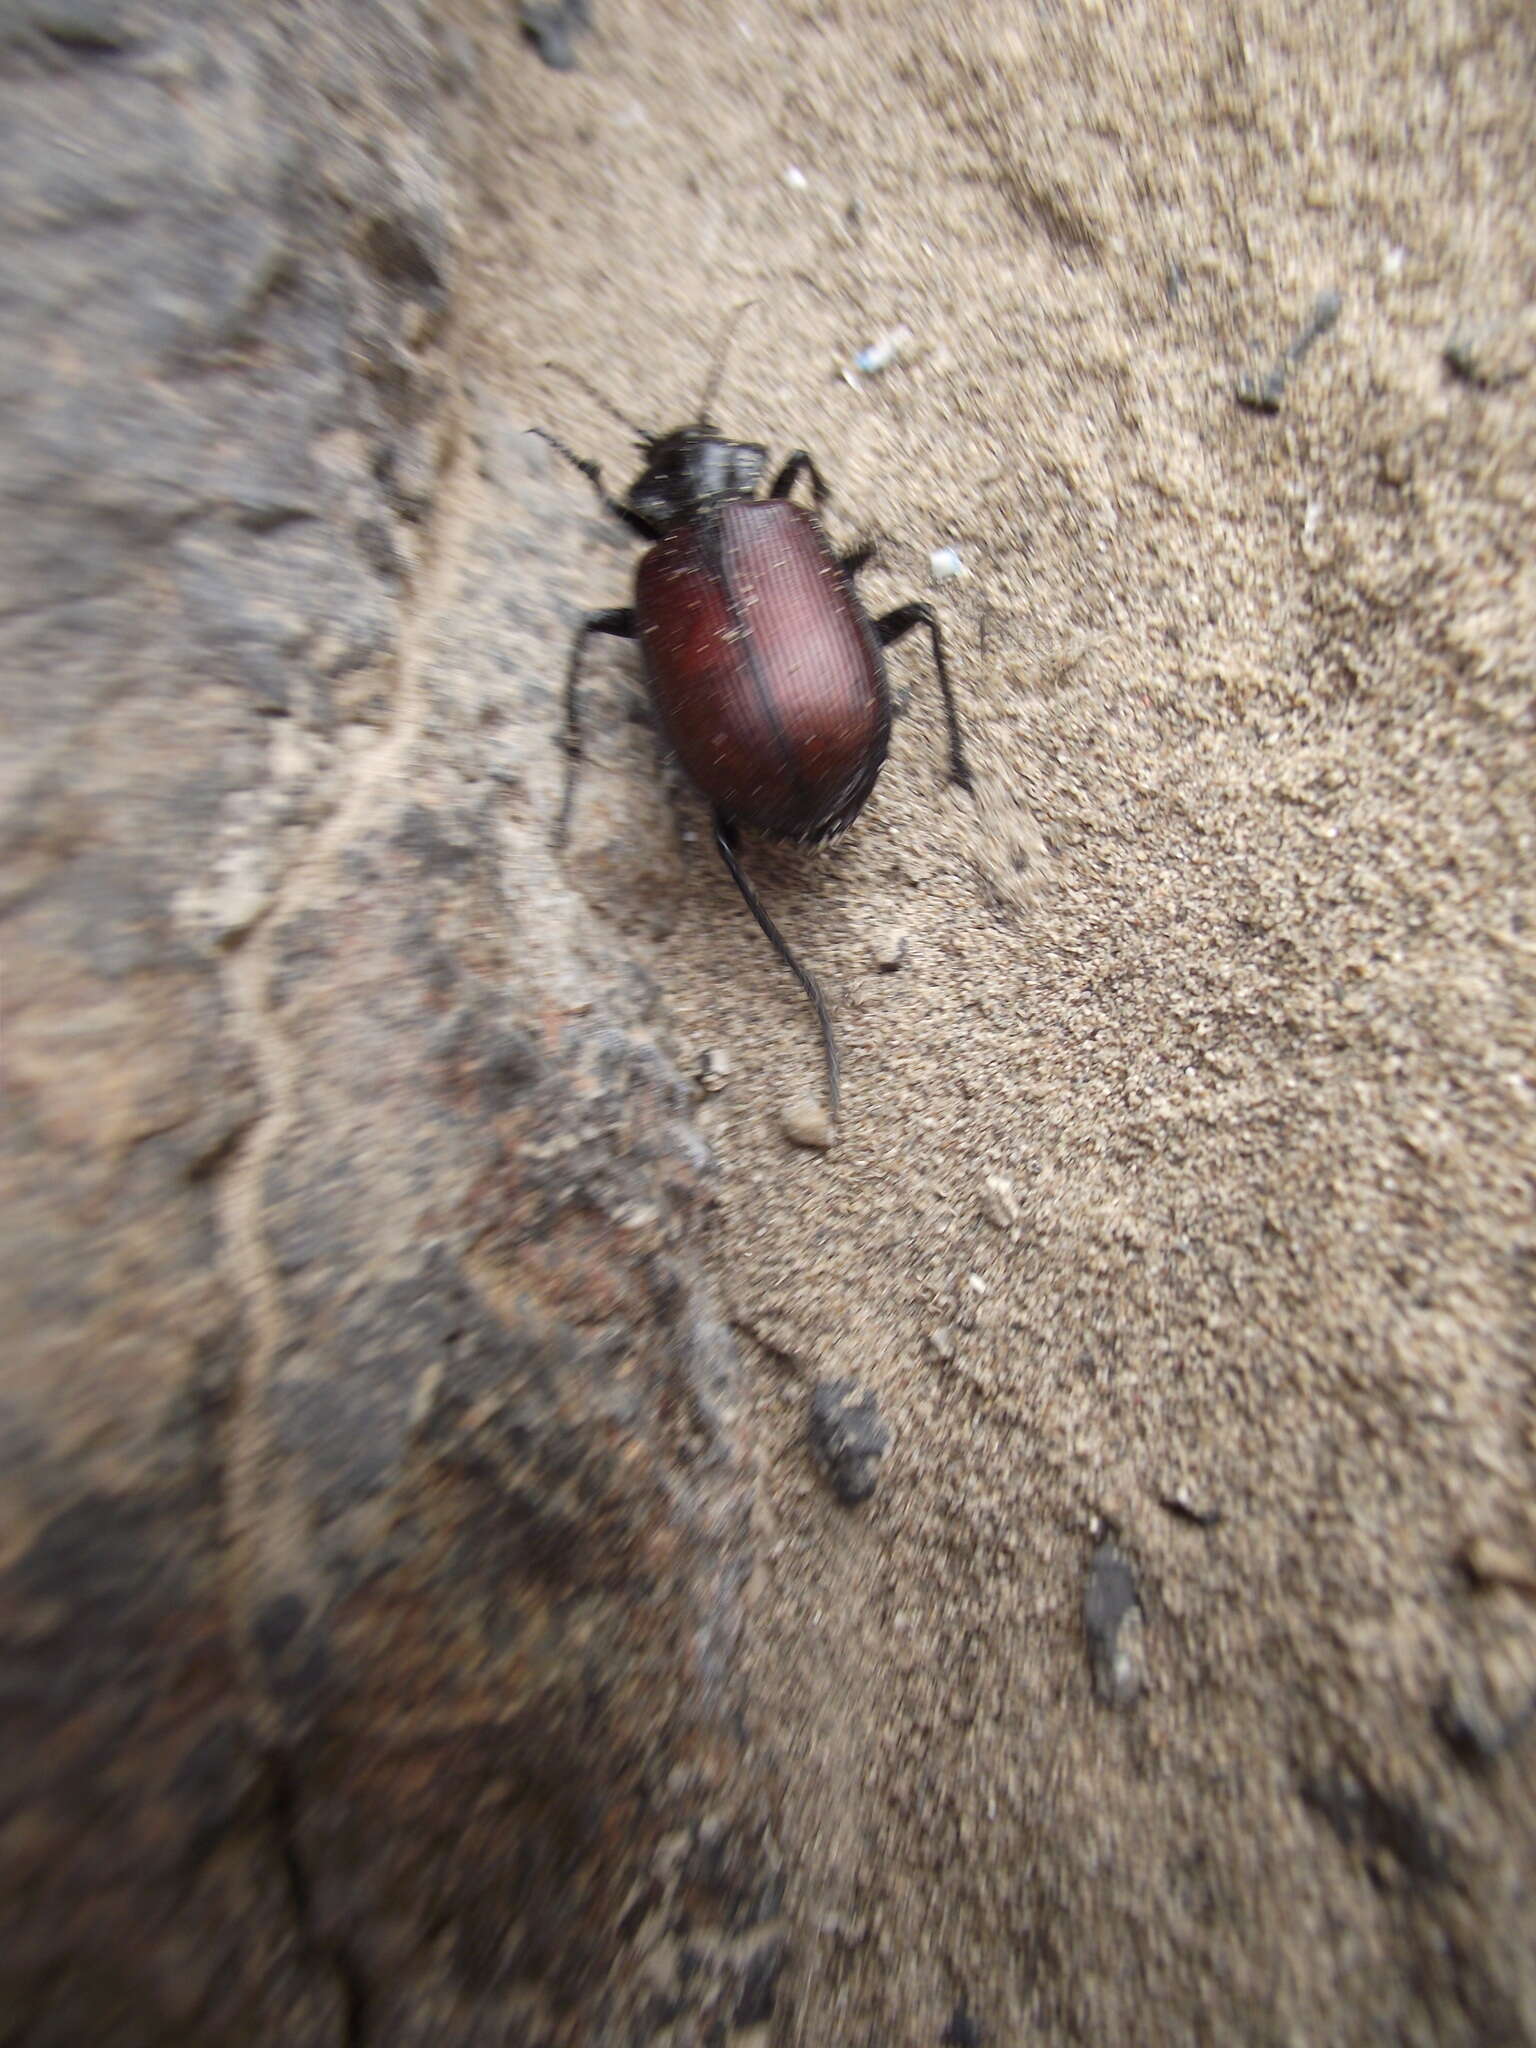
1227, 971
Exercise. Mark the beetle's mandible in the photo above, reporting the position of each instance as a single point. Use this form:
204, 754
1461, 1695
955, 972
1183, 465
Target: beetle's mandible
766, 670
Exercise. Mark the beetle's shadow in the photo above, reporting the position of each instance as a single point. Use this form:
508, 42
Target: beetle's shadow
685, 807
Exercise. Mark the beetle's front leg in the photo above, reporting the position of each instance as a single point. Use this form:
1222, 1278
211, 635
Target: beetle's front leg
635, 521
621, 624
888, 631
799, 464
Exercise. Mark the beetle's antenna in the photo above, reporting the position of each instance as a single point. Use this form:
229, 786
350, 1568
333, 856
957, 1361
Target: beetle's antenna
725, 839
722, 350
606, 403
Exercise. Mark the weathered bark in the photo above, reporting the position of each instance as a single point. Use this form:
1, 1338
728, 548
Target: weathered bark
375, 1494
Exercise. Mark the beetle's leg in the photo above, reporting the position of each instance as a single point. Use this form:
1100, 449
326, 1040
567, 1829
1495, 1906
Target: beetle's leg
790, 475
635, 521
859, 559
621, 624
725, 839
888, 631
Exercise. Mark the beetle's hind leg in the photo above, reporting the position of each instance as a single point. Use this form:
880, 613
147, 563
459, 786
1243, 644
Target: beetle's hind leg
621, 624
798, 465
725, 839
888, 631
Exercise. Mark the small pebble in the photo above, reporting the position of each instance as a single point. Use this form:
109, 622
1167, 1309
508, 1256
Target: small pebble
1475, 1725
1116, 1632
795, 178
848, 1438
941, 1342
1262, 394
1489, 1700
807, 1123
888, 949
1000, 1203
1496, 353
880, 355
552, 27
1189, 1507
1464, 1719
714, 1071
945, 564
1491, 1563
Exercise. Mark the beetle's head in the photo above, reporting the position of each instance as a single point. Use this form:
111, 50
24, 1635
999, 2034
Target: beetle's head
691, 469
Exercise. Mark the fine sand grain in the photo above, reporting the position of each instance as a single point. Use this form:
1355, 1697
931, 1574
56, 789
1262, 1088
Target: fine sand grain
1199, 1114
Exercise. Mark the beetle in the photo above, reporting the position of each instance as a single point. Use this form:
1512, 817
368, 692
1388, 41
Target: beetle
766, 671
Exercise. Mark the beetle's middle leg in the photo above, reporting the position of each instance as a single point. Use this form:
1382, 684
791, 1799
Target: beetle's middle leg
888, 631
799, 464
725, 839
621, 624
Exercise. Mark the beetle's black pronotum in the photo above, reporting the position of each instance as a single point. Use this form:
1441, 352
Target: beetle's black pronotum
767, 672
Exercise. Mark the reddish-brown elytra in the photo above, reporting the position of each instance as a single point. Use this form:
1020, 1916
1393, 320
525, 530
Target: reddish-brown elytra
767, 672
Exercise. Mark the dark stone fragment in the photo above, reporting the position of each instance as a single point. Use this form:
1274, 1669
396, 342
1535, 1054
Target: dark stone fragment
962, 2031
1476, 1725
95, 28
406, 254
1262, 394
1112, 1623
848, 1438
1363, 1816
552, 27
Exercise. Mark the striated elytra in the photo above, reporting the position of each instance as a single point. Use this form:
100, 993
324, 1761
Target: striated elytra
767, 672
